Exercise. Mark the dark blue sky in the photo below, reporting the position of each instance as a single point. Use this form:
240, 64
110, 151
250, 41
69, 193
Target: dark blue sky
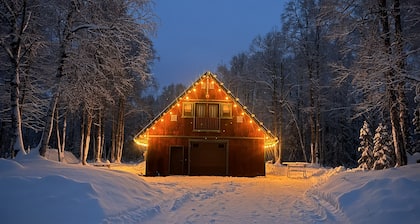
195, 36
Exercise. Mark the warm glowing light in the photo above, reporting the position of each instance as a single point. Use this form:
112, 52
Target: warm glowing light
140, 143
226, 98
187, 98
243, 113
220, 90
259, 129
178, 104
194, 89
270, 145
161, 120
250, 121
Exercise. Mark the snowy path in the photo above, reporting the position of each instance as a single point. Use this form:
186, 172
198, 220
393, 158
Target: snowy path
271, 199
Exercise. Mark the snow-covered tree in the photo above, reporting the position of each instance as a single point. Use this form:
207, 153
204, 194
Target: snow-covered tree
21, 39
366, 147
376, 45
383, 153
104, 47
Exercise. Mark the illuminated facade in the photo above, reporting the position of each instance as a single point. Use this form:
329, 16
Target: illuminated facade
206, 131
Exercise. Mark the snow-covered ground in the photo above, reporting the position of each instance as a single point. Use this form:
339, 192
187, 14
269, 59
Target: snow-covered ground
36, 190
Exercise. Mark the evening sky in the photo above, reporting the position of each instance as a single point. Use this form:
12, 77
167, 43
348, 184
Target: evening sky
195, 36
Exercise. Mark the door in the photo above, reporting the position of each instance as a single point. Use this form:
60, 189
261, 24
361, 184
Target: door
208, 158
176, 164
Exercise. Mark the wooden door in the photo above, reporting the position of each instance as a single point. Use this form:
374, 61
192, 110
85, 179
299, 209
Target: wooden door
176, 166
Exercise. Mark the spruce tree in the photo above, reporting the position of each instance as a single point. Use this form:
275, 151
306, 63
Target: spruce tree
366, 147
382, 149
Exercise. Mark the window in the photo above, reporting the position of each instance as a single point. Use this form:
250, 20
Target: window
207, 117
187, 110
226, 110
239, 119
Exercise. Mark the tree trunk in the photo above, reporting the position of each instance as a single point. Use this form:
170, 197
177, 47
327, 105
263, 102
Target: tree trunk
113, 138
46, 133
396, 110
403, 112
99, 127
63, 141
82, 137
61, 138
120, 131
86, 143
17, 138
57, 128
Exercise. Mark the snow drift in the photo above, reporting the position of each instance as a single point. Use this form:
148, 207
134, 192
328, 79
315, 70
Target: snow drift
37, 190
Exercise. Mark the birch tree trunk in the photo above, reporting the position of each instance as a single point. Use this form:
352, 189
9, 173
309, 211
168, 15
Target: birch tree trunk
82, 137
120, 131
61, 138
57, 130
99, 141
17, 137
46, 134
87, 130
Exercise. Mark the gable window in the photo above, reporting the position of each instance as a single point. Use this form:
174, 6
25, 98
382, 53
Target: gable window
226, 110
187, 110
207, 117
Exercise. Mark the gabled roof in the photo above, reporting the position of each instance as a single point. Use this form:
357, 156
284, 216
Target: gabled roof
229, 93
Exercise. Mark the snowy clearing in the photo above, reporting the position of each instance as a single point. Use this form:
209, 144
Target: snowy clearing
33, 189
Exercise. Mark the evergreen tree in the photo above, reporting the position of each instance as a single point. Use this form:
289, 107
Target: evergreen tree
382, 149
366, 146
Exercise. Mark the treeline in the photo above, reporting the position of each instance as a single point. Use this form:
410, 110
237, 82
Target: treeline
71, 73
332, 65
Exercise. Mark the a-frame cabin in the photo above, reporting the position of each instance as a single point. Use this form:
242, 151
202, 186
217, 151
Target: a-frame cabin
206, 131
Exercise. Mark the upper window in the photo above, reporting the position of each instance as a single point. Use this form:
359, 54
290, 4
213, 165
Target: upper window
207, 117
187, 109
226, 110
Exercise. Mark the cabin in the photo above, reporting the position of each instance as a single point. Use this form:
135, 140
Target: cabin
206, 131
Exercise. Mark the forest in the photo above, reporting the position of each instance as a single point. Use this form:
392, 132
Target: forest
76, 76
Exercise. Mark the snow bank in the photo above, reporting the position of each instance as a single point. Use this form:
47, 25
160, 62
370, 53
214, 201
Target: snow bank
384, 196
36, 190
